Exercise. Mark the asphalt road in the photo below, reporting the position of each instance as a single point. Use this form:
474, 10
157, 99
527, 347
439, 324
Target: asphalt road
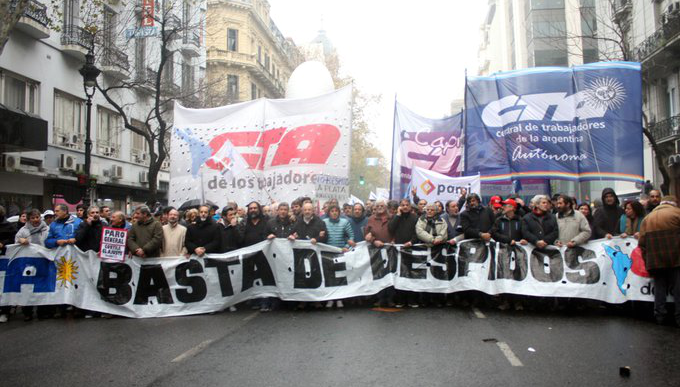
350, 347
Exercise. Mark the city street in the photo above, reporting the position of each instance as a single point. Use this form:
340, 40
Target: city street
351, 347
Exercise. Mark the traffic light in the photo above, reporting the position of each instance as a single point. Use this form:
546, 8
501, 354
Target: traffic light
361, 180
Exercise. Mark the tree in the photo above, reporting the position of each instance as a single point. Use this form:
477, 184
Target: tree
361, 145
143, 95
607, 24
12, 10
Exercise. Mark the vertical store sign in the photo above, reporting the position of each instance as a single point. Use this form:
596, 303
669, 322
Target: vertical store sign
147, 13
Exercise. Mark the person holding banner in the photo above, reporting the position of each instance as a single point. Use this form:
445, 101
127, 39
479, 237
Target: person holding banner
358, 221
340, 235
309, 226
63, 229
540, 226
403, 227
431, 230
573, 228
203, 237
174, 236
282, 225
508, 227
35, 231
452, 218
607, 219
231, 232
89, 235
145, 237
477, 220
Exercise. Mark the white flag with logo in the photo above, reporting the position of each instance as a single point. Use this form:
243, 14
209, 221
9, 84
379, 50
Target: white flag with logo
230, 160
433, 186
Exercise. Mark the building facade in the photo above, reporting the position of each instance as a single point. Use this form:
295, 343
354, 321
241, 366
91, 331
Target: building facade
40, 79
247, 56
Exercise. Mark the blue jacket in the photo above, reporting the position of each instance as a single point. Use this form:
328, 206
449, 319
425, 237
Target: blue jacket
339, 232
62, 229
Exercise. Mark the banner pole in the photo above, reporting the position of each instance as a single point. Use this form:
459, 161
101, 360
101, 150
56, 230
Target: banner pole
394, 119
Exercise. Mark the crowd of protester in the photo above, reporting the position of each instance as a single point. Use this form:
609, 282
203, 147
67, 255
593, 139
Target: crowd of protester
558, 221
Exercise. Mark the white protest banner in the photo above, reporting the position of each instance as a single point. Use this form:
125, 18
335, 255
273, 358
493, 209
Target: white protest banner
433, 186
113, 244
262, 150
607, 270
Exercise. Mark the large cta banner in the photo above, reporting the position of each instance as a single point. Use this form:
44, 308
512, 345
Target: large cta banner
607, 270
427, 143
578, 123
262, 150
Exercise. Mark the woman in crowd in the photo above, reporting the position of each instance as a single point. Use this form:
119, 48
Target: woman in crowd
631, 220
584, 209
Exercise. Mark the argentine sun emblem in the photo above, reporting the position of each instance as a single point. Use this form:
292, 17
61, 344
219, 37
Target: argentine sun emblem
607, 93
67, 270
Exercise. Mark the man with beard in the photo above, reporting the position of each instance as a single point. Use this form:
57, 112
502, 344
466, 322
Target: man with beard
358, 221
653, 200
174, 236
203, 237
477, 220
377, 232
452, 219
282, 225
607, 219
256, 228
572, 225
89, 235
309, 227
296, 207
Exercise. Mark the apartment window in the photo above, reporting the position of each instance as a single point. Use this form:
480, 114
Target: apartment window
266, 61
253, 91
68, 124
186, 13
259, 54
232, 87
169, 68
71, 13
547, 4
187, 77
19, 93
138, 145
232, 40
109, 27
108, 135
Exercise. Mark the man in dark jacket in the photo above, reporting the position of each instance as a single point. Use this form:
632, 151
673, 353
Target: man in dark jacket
231, 233
540, 226
452, 219
89, 234
358, 221
7, 233
203, 237
145, 237
402, 226
255, 229
477, 220
508, 227
653, 201
309, 226
607, 218
282, 225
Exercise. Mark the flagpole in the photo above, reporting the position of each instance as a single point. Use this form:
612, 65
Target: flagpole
394, 119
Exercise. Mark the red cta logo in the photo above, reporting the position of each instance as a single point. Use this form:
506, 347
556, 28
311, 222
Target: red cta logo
309, 144
427, 187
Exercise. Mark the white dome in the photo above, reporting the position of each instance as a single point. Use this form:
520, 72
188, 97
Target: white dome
309, 79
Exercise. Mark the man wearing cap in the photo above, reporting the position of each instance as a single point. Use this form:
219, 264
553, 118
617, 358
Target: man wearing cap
573, 227
660, 247
496, 205
508, 227
48, 217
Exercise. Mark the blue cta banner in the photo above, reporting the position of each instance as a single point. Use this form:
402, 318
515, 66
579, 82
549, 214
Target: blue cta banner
579, 123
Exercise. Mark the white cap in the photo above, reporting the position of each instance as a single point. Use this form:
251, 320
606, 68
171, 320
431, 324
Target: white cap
48, 213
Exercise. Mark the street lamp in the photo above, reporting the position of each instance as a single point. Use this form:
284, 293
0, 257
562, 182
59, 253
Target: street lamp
90, 72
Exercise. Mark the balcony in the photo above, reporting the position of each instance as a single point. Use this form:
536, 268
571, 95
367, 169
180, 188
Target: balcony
33, 22
146, 80
667, 35
191, 43
261, 73
666, 130
173, 26
76, 41
622, 9
115, 63
216, 55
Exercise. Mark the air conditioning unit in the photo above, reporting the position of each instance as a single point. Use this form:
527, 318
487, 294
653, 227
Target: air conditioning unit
677, 146
165, 165
67, 162
144, 177
109, 151
80, 168
116, 172
10, 163
141, 157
